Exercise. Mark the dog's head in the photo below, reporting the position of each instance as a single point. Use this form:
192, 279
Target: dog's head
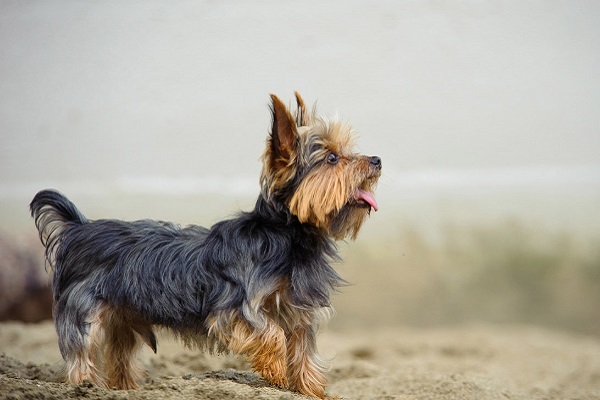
310, 168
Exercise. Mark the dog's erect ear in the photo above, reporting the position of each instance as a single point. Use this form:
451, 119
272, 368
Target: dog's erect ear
301, 116
283, 131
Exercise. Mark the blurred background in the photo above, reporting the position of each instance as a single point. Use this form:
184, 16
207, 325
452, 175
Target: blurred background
486, 115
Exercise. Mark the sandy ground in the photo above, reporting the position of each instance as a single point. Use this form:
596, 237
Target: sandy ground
468, 362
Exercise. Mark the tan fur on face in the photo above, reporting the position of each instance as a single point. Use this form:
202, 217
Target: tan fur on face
326, 188
325, 192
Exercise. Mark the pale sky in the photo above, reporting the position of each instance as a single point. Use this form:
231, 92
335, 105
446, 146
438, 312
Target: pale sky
137, 90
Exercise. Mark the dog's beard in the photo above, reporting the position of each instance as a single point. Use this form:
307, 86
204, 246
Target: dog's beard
348, 221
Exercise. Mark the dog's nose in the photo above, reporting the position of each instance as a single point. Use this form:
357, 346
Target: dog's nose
375, 161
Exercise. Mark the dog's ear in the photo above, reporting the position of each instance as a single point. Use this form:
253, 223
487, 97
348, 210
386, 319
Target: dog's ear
283, 132
301, 116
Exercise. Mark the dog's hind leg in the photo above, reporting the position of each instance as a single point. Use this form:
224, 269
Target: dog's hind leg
80, 335
121, 346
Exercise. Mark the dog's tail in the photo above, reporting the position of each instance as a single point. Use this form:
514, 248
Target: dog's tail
52, 212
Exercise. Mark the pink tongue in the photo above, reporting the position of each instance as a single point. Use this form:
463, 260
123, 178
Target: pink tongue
366, 196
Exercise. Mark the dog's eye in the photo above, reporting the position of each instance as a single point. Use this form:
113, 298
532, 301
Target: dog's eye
333, 158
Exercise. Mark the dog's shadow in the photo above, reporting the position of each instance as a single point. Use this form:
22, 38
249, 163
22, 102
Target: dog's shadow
253, 380
242, 377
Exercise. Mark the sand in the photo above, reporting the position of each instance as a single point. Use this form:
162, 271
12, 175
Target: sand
466, 362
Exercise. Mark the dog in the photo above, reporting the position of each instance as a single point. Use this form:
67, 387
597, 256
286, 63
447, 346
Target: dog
257, 285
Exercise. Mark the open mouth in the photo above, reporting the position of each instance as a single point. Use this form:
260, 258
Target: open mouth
364, 199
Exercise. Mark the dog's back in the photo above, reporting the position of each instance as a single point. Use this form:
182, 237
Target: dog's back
130, 264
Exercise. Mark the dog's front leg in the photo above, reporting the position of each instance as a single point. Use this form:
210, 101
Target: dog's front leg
305, 367
264, 344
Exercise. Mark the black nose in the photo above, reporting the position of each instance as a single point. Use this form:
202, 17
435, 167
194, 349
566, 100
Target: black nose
375, 161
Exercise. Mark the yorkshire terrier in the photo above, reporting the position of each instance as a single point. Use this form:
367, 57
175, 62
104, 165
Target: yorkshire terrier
258, 284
